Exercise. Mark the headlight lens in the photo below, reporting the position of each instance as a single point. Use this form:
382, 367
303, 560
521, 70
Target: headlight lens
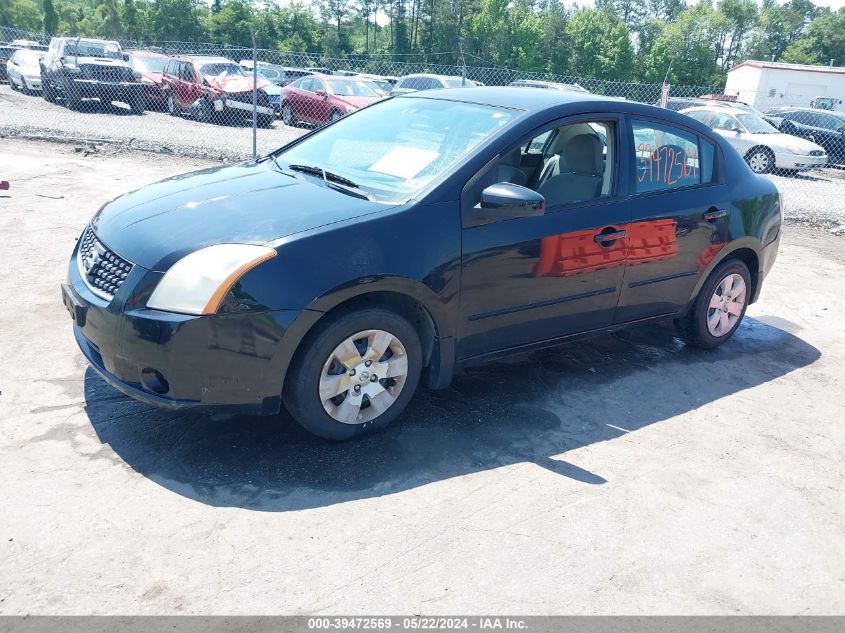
198, 283
350, 108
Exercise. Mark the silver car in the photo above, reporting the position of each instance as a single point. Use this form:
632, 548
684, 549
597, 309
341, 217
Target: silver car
761, 144
23, 70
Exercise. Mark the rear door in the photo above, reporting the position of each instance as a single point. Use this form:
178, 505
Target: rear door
680, 210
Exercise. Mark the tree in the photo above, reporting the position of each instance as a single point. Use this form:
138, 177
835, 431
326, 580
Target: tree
21, 14
51, 18
824, 41
600, 45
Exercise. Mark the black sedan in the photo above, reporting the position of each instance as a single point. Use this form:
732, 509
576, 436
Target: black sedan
420, 234
822, 127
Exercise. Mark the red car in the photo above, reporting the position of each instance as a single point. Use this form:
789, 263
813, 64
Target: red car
213, 89
151, 68
320, 98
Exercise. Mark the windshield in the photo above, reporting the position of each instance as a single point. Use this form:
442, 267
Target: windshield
396, 147
221, 69
29, 58
268, 73
93, 49
350, 88
149, 64
755, 124
458, 83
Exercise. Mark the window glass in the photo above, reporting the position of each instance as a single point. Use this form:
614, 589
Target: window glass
187, 72
701, 115
666, 158
576, 165
722, 121
308, 84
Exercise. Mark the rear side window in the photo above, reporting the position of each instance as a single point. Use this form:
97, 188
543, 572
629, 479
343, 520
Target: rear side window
667, 158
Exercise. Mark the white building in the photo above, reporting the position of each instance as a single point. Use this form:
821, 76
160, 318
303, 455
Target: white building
767, 84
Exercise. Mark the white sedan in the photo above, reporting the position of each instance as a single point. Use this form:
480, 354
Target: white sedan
23, 70
762, 145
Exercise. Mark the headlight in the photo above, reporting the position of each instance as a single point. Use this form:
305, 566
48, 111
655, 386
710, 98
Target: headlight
198, 282
350, 108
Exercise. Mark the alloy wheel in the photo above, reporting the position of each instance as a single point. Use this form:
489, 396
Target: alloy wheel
726, 305
287, 114
363, 376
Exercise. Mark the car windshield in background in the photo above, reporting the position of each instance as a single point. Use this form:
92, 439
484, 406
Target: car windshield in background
347, 88
396, 147
459, 83
149, 64
221, 70
29, 59
267, 73
755, 124
93, 49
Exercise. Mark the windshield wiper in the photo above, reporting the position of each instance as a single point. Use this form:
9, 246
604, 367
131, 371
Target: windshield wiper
335, 181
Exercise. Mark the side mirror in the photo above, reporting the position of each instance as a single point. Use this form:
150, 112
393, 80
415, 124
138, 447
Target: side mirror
322, 93
506, 200
126, 57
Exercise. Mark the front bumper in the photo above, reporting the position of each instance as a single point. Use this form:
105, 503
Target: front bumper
32, 82
240, 106
108, 90
798, 161
226, 363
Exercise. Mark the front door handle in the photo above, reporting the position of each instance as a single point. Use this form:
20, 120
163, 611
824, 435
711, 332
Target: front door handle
610, 236
714, 213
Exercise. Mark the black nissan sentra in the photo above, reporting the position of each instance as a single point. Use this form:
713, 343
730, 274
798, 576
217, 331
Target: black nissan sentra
422, 233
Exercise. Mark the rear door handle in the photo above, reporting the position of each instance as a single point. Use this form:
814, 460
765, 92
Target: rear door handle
610, 236
714, 213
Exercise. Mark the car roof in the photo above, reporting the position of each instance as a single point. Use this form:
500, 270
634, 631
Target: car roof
205, 59
716, 108
776, 109
516, 97
146, 53
87, 39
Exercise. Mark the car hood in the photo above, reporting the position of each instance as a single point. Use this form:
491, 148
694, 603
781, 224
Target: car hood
95, 61
235, 83
358, 102
785, 143
154, 77
252, 203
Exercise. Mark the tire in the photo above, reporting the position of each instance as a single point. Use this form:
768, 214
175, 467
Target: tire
760, 159
316, 367
12, 85
697, 326
265, 120
206, 112
72, 98
172, 110
334, 115
137, 103
288, 117
47, 90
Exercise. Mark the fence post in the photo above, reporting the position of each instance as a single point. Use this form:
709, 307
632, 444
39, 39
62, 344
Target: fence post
254, 97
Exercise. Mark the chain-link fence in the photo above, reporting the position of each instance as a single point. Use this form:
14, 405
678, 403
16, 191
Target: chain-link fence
198, 99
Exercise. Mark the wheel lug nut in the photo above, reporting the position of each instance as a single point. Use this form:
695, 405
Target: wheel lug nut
351, 372
357, 387
374, 378
368, 363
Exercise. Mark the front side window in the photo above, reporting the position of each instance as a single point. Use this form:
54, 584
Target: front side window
350, 88
83, 48
667, 158
395, 148
755, 124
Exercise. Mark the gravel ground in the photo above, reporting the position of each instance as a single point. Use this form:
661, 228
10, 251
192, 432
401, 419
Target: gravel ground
624, 475
816, 198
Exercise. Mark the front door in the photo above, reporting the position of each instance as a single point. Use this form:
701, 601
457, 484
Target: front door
680, 219
535, 278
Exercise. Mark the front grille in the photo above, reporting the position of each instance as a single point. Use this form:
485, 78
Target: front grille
103, 270
246, 97
816, 152
104, 73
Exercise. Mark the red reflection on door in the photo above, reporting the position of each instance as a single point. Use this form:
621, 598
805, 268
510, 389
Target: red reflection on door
652, 241
577, 253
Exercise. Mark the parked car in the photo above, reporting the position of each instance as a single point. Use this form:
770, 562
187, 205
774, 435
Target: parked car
30, 44
395, 245
820, 126
315, 70
75, 68
547, 85
761, 144
213, 89
381, 84
412, 83
23, 70
6, 52
278, 75
151, 68
319, 99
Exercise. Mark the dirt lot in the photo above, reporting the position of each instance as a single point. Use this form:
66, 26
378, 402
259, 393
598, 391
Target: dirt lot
625, 475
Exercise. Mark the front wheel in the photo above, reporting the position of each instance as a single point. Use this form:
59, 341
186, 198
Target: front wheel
355, 375
137, 103
171, 105
334, 116
719, 308
288, 117
761, 160
265, 120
